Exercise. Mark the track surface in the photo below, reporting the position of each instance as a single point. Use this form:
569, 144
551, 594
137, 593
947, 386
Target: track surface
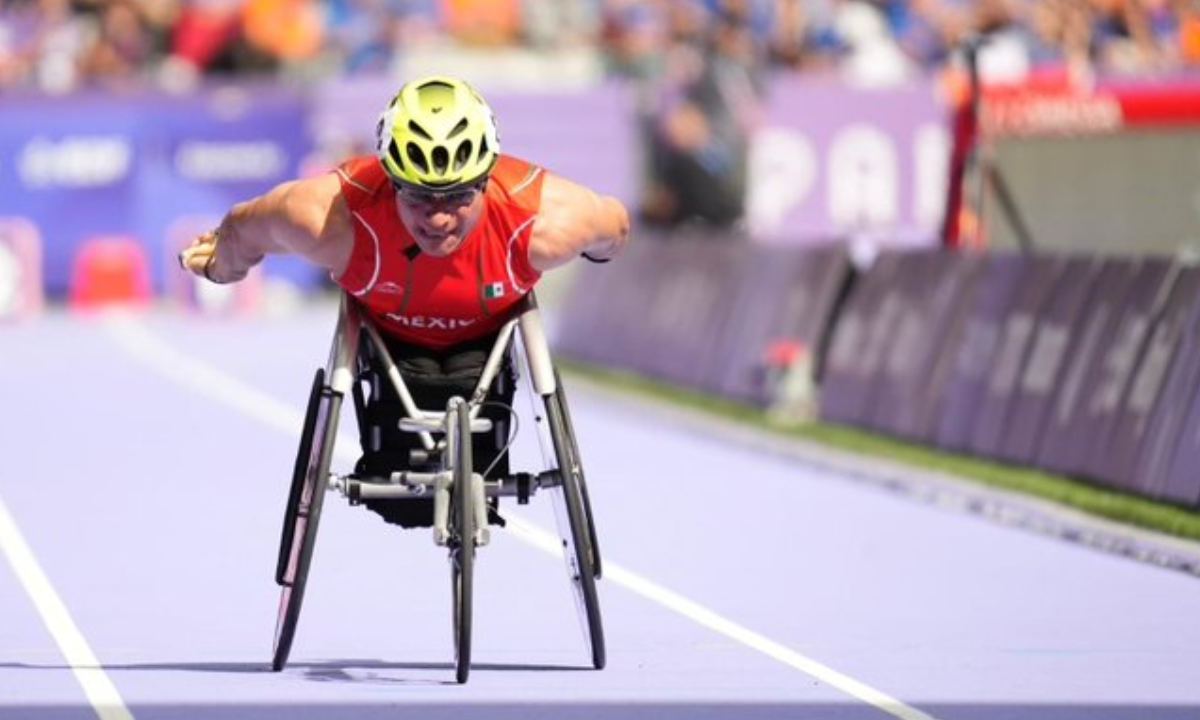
146, 462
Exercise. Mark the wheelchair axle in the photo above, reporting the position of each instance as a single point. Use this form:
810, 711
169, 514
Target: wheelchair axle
410, 484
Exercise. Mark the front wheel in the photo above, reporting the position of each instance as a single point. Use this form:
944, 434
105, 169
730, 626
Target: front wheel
462, 551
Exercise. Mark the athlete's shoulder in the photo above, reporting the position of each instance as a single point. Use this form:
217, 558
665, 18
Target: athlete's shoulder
518, 182
362, 179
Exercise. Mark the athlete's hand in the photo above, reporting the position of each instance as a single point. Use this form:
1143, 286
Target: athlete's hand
199, 257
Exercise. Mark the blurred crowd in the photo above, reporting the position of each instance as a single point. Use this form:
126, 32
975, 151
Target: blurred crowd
58, 45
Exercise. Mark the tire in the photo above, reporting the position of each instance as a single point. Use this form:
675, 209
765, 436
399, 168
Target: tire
462, 553
578, 545
299, 470
305, 500
561, 393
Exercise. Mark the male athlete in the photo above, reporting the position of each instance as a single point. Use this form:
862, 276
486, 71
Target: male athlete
439, 237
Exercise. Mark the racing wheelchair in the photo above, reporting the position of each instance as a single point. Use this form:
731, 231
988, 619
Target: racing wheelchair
444, 473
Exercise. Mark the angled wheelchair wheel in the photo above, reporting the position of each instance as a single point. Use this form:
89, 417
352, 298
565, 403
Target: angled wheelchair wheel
569, 426
577, 539
310, 475
462, 552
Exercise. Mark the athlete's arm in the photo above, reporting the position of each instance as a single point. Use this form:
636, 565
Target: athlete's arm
573, 220
303, 217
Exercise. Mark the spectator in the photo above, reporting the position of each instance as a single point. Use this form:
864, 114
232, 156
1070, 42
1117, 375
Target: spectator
1121, 36
58, 45
873, 58
482, 22
58, 37
699, 147
287, 31
1189, 32
122, 48
206, 33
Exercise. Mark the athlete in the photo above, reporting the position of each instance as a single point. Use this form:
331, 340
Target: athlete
439, 237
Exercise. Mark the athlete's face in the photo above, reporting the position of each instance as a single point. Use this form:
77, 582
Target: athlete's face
440, 222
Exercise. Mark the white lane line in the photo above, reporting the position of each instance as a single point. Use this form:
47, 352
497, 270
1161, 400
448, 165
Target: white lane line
710, 619
197, 375
97, 686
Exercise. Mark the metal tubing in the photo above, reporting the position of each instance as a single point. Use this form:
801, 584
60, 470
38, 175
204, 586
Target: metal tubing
339, 370
537, 350
429, 424
421, 484
491, 367
393, 373
371, 491
441, 510
479, 496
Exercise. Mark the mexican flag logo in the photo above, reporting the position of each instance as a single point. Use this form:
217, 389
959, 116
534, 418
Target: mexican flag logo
493, 290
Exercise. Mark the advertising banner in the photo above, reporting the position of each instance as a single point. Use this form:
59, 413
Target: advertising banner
140, 161
896, 348
1183, 482
1165, 432
962, 283
1144, 395
1065, 438
976, 349
930, 289
1016, 336
681, 324
602, 312
664, 310
1058, 332
787, 295
1105, 397
833, 160
854, 352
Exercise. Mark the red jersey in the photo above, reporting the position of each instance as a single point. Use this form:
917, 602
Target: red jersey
439, 302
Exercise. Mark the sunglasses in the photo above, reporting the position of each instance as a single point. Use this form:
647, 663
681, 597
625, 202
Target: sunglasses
425, 196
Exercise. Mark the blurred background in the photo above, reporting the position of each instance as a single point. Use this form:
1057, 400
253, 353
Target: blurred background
895, 214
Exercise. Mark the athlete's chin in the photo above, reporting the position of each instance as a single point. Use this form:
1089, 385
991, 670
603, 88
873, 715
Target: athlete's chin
438, 246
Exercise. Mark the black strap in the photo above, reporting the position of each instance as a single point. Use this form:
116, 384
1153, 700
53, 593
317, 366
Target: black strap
598, 261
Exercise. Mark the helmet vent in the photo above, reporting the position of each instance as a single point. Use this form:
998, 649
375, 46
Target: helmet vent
416, 156
394, 153
441, 159
412, 125
462, 155
483, 147
462, 125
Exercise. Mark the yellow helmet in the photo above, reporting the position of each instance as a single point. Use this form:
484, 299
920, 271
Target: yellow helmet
436, 133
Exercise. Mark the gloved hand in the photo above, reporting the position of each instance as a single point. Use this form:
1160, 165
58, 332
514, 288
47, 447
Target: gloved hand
199, 257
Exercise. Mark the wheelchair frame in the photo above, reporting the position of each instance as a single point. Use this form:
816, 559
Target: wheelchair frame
459, 494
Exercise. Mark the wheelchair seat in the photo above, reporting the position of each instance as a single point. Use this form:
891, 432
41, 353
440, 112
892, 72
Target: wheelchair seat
432, 377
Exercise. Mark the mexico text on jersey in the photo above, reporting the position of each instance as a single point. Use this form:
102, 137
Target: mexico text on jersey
438, 302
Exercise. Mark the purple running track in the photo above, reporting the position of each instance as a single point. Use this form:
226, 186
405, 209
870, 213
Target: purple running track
153, 502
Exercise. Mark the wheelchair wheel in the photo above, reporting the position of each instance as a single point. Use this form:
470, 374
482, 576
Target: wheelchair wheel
594, 546
306, 496
462, 552
577, 543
